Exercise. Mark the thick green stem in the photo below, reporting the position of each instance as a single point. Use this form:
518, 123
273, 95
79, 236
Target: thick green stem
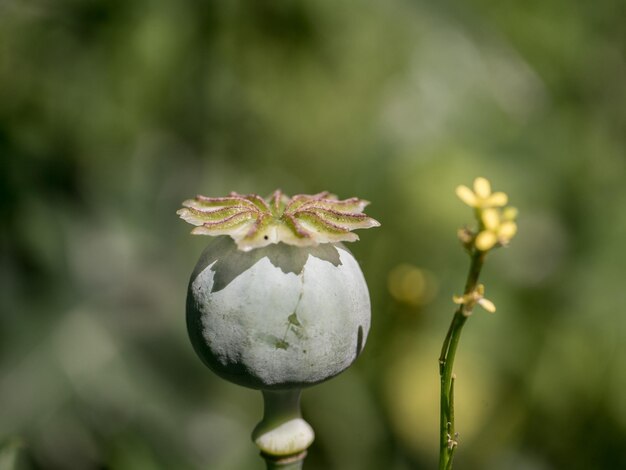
447, 432
285, 464
282, 435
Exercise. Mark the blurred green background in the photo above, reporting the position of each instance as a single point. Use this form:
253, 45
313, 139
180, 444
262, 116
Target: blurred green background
112, 112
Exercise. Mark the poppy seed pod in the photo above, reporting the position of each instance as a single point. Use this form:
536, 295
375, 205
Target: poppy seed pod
280, 305
277, 317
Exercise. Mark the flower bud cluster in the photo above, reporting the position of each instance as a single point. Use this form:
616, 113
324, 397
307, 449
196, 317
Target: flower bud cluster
496, 220
496, 227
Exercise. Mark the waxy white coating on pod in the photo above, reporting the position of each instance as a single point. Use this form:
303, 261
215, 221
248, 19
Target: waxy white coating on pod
277, 317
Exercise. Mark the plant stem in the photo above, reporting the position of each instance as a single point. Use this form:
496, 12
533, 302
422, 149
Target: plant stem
282, 435
284, 464
447, 432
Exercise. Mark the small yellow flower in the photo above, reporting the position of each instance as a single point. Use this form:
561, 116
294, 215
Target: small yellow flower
481, 197
477, 296
499, 227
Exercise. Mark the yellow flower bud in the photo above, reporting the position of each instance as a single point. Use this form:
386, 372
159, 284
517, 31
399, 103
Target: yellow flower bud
482, 187
507, 231
466, 195
510, 213
498, 199
486, 240
491, 219
487, 305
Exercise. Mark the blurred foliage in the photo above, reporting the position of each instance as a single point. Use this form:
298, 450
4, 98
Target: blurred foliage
112, 112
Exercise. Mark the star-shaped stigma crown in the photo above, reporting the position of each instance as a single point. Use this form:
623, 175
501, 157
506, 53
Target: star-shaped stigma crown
253, 222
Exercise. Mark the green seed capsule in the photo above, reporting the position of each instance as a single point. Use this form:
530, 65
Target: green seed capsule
277, 317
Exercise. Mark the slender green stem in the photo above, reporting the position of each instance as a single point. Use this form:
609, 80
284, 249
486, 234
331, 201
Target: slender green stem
447, 431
